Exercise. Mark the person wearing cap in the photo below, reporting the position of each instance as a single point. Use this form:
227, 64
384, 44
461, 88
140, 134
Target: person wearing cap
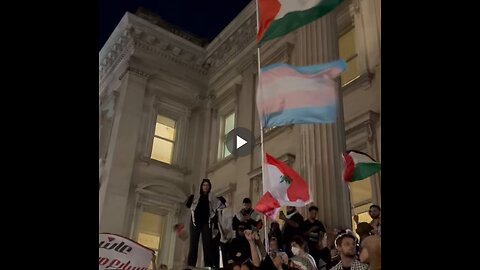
346, 246
247, 217
203, 206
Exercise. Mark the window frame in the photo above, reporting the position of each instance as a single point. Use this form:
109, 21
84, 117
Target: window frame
175, 135
350, 57
222, 136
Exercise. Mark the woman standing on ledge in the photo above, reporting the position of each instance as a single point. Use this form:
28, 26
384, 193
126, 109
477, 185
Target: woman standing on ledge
203, 206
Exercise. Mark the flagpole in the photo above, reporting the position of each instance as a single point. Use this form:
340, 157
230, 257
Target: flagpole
261, 130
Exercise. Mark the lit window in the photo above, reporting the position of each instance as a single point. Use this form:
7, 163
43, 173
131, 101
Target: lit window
164, 139
348, 52
150, 231
227, 125
361, 199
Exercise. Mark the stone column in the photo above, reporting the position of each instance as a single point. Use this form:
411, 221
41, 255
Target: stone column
206, 126
320, 146
120, 161
366, 17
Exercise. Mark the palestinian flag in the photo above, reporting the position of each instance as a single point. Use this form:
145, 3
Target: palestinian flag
358, 166
279, 17
283, 186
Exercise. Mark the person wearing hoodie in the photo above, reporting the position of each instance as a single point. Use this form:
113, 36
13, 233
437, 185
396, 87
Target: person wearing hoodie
203, 206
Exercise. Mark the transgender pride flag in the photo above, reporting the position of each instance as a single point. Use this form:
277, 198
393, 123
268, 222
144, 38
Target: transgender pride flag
298, 95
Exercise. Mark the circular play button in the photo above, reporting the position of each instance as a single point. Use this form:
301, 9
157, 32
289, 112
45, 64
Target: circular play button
240, 142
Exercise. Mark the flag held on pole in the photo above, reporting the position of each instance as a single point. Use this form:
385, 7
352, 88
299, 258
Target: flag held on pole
358, 166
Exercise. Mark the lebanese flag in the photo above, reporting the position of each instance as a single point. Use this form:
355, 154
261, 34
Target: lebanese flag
283, 186
279, 17
358, 166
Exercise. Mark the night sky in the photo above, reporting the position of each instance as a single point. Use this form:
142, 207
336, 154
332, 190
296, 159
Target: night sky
205, 19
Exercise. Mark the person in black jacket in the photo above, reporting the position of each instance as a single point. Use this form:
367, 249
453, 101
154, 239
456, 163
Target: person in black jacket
247, 217
293, 227
239, 247
203, 207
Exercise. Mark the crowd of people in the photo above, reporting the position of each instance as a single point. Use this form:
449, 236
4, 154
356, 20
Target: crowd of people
303, 244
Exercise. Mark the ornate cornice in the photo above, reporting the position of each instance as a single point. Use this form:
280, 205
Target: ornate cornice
238, 40
173, 54
121, 50
208, 100
135, 35
233, 40
135, 71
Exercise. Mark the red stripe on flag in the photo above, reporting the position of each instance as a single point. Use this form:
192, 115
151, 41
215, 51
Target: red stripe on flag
267, 204
349, 167
298, 189
268, 9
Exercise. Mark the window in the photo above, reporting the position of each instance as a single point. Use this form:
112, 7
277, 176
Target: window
150, 231
164, 139
361, 199
227, 125
347, 52
363, 216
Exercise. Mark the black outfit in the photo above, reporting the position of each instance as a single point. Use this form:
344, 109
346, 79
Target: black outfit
248, 224
326, 256
240, 244
217, 244
201, 226
277, 233
290, 232
313, 237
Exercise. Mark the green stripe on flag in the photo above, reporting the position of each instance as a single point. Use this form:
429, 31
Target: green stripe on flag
364, 170
297, 19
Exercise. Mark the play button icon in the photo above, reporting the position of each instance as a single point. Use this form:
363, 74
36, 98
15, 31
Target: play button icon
240, 142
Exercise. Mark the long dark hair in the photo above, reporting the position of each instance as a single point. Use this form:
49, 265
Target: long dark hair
209, 183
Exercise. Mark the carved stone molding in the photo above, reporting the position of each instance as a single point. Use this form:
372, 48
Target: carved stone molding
120, 51
354, 7
136, 34
364, 81
282, 54
173, 54
207, 99
345, 18
233, 45
161, 190
135, 71
364, 123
